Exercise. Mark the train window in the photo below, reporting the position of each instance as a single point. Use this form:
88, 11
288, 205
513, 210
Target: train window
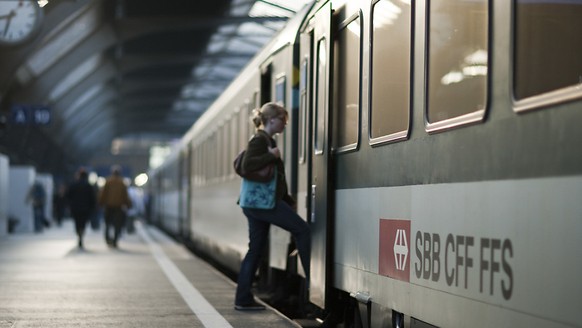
193, 165
201, 163
225, 146
204, 161
244, 127
204, 158
302, 119
280, 90
207, 160
219, 151
391, 79
321, 92
197, 165
215, 156
548, 52
210, 155
347, 54
457, 62
218, 159
214, 153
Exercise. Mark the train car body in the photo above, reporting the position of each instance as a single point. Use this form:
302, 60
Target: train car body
434, 149
168, 195
200, 167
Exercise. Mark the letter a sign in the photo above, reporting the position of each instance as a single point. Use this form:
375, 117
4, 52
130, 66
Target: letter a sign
394, 260
30, 114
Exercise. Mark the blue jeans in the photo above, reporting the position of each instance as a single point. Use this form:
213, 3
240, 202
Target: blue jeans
259, 223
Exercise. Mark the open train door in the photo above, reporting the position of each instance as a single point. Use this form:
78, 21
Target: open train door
321, 193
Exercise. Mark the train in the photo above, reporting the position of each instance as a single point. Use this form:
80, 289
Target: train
434, 149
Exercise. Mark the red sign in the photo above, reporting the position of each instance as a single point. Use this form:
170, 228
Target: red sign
394, 260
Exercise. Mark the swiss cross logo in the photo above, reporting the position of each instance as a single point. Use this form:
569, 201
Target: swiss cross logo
394, 260
401, 249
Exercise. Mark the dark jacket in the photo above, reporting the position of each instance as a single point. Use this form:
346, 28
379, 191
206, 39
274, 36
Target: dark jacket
82, 198
257, 156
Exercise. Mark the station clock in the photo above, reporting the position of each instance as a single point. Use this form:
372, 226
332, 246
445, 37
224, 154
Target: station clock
19, 20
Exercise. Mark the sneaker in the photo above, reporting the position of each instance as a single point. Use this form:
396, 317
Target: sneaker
253, 306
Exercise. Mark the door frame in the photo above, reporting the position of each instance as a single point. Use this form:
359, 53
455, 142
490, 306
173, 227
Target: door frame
320, 186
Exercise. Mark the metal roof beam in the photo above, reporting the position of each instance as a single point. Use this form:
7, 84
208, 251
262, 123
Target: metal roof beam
133, 27
129, 63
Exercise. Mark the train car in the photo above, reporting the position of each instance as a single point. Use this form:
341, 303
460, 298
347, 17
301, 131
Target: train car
169, 194
433, 147
200, 166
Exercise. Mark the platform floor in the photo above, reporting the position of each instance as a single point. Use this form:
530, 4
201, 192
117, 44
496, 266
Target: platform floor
149, 281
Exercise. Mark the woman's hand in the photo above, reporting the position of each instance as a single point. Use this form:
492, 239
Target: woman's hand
275, 151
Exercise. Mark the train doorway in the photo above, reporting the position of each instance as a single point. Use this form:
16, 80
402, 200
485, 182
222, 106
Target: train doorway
321, 193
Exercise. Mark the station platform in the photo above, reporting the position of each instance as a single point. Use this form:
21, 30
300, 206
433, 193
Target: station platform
148, 281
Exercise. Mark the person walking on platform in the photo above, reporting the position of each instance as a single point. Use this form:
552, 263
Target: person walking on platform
137, 208
37, 196
60, 203
115, 200
261, 151
82, 202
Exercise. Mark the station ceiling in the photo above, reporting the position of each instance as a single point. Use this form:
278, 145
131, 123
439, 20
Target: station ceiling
119, 76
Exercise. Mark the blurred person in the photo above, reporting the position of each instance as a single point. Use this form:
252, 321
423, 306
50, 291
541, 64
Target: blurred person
82, 200
60, 203
114, 198
97, 214
137, 208
37, 197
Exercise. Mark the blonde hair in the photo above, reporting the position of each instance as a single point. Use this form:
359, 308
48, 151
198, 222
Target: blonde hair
266, 112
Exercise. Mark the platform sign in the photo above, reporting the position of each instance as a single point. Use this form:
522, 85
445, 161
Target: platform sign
30, 114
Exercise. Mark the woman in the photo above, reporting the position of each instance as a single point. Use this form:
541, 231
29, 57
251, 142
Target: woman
262, 150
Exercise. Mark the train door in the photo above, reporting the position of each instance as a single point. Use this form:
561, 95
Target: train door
304, 124
321, 189
264, 97
266, 78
